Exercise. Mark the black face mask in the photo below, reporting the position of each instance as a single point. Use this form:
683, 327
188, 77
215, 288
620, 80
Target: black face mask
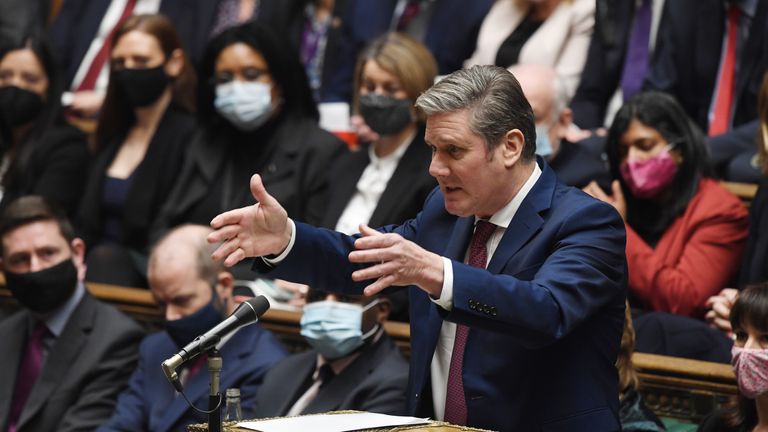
45, 290
185, 330
385, 115
141, 87
19, 106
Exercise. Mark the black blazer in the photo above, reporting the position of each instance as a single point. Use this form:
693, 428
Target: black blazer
57, 169
376, 381
687, 57
402, 198
605, 62
153, 180
296, 173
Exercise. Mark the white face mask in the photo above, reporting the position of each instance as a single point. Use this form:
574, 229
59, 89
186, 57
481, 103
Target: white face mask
247, 105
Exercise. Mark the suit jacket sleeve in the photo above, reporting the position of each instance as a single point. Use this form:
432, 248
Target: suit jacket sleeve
714, 231
97, 398
131, 411
64, 169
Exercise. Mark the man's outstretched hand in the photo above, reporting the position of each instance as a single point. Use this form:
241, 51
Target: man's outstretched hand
257, 230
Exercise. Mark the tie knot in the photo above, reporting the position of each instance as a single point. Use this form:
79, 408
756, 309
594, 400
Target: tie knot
483, 231
39, 331
325, 373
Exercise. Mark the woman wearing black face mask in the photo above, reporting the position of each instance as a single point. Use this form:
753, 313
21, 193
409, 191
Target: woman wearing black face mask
145, 124
41, 153
387, 180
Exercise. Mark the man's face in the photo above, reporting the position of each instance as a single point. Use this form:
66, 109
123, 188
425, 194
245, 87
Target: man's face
376, 314
178, 290
473, 181
38, 246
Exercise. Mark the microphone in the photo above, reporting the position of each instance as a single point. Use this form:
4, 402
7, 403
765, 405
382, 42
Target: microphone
246, 313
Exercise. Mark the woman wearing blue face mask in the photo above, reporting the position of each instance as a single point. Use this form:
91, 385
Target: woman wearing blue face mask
386, 180
144, 127
748, 411
40, 154
258, 116
685, 232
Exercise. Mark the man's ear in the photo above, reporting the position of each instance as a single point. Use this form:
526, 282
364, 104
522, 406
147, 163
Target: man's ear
512, 147
382, 309
225, 283
78, 257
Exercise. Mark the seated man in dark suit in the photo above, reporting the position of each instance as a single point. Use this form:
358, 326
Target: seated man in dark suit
354, 364
513, 277
66, 356
195, 294
574, 164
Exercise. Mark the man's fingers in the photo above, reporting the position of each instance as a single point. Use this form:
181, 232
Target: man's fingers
723, 324
379, 285
374, 272
224, 233
235, 257
225, 249
260, 192
232, 217
368, 231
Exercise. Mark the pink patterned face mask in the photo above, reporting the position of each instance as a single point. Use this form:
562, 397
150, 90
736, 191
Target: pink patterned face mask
647, 178
751, 368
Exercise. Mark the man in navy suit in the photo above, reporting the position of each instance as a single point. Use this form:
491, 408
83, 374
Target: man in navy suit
195, 294
516, 331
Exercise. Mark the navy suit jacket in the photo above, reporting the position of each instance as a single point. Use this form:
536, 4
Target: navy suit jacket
545, 317
150, 402
450, 35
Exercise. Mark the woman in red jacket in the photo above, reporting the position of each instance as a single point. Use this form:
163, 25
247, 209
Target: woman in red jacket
685, 232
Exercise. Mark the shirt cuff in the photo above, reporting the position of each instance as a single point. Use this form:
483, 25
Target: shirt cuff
446, 296
278, 259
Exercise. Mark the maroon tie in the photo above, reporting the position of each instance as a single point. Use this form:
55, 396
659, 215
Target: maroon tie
29, 369
455, 403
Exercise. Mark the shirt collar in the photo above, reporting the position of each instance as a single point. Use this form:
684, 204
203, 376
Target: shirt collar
57, 320
503, 217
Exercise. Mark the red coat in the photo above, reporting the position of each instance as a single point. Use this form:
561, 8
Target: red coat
698, 255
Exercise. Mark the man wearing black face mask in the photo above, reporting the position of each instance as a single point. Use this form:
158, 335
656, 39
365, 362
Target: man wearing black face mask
66, 355
353, 365
195, 294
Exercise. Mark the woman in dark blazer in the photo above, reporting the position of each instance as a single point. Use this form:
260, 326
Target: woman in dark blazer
258, 116
41, 153
387, 180
144, 128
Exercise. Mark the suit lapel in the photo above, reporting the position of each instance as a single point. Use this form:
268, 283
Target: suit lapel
63, 355
527, 221
400, 188
13, 336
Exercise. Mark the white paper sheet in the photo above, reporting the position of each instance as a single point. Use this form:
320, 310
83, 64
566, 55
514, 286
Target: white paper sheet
332, 422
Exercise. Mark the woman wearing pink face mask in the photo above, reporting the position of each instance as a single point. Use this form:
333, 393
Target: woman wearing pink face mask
685, 232
748, 412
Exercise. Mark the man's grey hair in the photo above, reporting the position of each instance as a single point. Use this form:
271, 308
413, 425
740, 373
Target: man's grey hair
495, 101
195, 238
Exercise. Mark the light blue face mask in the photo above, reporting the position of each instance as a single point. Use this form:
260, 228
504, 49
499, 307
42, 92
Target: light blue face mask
247, 105
543, 145
333, 328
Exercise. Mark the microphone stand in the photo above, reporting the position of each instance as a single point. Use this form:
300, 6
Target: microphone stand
214, 400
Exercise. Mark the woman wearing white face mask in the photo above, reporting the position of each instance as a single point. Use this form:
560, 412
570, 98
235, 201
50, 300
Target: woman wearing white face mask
749, 320
258, 116
685, 232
